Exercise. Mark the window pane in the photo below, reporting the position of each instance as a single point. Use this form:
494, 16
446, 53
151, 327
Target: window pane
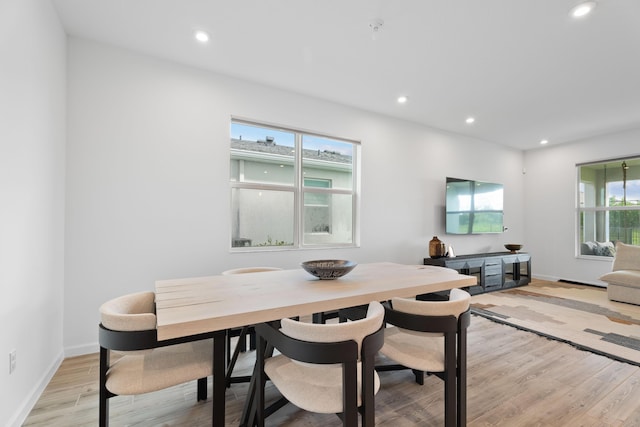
328, 159
328, 222
319, 199
624, 226
609, 206
610, 184
610, 226
262, 218
262, 155
290, 188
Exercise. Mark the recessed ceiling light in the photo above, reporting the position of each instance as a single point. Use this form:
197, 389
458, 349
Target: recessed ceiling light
583, 9
201, 36
402, 99
544, 141
470, 120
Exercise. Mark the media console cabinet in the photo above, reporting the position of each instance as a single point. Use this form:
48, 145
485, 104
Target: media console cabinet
495, 271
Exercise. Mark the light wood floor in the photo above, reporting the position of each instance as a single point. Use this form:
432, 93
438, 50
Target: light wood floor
515, 378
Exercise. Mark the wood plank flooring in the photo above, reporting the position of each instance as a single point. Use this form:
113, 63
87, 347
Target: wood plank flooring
515, 378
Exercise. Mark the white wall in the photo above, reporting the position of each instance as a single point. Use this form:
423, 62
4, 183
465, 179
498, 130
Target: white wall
148, 170
550, 204
32, 137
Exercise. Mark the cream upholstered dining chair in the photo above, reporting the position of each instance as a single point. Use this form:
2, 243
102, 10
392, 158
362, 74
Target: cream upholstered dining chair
243, 332
322, 368
128, 328
431, 336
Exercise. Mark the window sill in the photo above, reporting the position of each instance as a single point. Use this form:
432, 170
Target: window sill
595, 258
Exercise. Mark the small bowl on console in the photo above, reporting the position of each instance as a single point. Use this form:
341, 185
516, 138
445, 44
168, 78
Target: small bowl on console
513, 247
328, 269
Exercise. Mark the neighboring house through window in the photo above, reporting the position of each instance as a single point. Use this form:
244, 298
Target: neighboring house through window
291, 189
608, 206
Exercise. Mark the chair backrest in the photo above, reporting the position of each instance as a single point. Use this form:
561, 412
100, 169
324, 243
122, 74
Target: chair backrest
128, 326
458, 303
627, 257
132, 312
334, 332
431, 336
352, 346
244, 270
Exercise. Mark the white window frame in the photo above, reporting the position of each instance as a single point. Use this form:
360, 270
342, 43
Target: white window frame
298, 190
594, 210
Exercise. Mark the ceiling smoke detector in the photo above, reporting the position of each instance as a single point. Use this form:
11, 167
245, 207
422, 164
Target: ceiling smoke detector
376, 26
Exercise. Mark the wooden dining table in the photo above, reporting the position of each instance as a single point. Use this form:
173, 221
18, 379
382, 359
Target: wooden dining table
216, 303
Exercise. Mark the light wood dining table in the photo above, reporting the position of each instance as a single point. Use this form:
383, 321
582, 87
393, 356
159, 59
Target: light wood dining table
216, 303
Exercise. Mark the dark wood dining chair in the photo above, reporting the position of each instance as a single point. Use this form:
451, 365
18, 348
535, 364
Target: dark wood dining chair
431, 337
322, 368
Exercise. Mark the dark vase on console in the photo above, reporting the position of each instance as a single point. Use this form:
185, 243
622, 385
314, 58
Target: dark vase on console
437, 248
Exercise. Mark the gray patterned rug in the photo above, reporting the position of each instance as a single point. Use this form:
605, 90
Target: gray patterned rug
579, 315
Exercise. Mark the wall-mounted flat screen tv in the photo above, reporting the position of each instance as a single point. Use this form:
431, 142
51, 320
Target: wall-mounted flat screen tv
473, 207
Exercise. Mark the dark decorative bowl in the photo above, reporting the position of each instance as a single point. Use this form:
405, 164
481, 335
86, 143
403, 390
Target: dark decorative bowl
513, 247
328, 269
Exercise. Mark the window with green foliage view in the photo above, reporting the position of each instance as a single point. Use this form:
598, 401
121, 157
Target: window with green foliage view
608, 206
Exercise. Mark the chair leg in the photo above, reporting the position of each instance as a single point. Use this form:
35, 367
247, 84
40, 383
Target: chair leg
462, 378
252, 339
368, 392
104, 393
419, 376
202, 389
450, 410
450, 383
349, 394
260, 382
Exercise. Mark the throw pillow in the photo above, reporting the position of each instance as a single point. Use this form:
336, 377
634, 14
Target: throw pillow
605, 249
588, 248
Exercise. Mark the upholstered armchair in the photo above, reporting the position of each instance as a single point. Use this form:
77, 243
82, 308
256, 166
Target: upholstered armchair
431, 337
322, 368
142, 364
623, 282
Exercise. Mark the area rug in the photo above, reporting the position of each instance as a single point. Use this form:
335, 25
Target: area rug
579, 315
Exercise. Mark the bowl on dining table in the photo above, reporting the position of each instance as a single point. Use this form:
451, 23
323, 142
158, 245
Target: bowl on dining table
328, 269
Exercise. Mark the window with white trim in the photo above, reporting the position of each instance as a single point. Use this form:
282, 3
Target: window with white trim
608, 206
291, 189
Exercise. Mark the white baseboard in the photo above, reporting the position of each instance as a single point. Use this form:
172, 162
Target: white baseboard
557, 279
23, 411
81, 350
548, 278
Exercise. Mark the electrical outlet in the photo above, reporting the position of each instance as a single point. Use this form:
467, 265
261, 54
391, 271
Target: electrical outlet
12, 361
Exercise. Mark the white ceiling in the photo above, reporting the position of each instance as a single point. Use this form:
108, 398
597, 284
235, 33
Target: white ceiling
523, 68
